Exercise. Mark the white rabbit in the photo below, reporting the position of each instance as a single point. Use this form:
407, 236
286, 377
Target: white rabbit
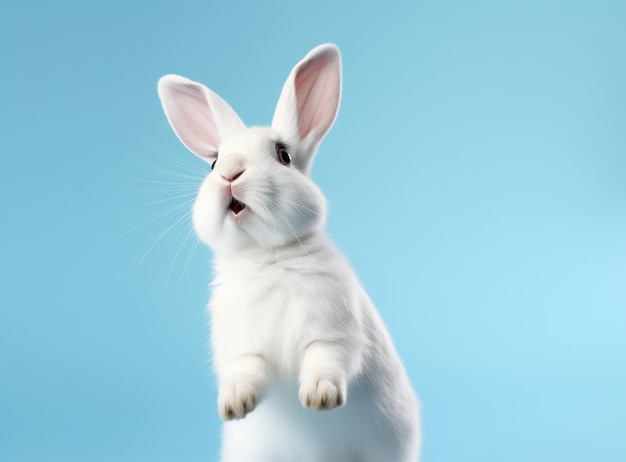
306, 369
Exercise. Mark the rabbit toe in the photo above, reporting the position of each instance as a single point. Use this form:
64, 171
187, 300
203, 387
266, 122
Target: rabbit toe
236, 400
322, 394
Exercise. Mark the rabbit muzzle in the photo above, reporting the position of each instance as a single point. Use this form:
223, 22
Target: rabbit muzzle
230, 167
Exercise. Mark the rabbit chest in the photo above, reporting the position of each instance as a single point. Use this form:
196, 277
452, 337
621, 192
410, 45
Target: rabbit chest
277, 309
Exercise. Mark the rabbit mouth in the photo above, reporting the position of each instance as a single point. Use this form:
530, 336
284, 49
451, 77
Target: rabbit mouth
236, 206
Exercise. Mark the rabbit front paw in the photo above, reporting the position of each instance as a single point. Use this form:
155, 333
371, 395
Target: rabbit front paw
322, 394
235, 400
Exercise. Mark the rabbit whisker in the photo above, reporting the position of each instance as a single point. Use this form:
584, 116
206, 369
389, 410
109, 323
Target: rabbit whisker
173, 198
159, 215
180, 248
173, 183
196, 174
269, 214
161, 235
187, 267
291, 228
181, 161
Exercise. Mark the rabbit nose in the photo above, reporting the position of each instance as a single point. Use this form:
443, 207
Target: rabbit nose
230, 167
231, 178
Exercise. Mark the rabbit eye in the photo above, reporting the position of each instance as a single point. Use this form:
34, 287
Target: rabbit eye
213, 164
283, 156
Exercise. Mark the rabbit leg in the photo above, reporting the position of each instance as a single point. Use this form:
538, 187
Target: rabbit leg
323, 376
242, 382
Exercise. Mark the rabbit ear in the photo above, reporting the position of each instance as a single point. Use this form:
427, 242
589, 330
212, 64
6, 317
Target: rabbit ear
309, 101
199, 117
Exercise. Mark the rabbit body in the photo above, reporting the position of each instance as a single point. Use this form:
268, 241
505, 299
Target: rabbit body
306, 369
293, 328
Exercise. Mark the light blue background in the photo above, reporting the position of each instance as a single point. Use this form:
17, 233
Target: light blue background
476, 177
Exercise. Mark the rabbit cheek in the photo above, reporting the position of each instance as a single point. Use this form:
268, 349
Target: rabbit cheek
205, 221
209, 211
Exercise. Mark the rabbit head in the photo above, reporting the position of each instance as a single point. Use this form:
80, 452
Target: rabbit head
259, 192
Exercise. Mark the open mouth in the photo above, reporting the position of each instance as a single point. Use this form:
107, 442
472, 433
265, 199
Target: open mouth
235, 206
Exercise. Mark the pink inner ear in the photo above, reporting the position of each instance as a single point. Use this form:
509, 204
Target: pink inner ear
317, 85
190, 115
193, 120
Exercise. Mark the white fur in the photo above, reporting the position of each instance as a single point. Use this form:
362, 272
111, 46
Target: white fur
306, 369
